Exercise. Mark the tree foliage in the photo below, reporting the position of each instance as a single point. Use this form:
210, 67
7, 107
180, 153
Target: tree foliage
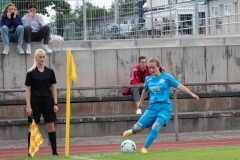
22, 6
92, 11
126, 5
76, 15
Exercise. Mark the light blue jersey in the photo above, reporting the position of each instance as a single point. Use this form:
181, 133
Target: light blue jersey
159, 88
160, 107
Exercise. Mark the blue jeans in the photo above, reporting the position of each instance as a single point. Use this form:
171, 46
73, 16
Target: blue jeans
17, 36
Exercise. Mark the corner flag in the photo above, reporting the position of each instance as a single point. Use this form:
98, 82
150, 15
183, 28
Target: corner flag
35, 140
71, 74
71, 67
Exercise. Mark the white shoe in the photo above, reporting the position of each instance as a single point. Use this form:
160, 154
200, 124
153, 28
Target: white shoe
46, 48
20, 50
138, 112
28, 50
6, 49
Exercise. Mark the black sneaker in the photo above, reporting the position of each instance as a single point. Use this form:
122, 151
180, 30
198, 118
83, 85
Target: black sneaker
55, 154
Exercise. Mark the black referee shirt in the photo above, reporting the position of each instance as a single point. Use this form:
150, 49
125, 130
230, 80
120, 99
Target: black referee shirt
40, 82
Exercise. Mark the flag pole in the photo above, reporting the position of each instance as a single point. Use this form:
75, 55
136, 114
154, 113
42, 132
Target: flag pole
67, 106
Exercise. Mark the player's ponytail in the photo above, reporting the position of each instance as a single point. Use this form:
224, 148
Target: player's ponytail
34, 65
155, 60
161, 69
34, 60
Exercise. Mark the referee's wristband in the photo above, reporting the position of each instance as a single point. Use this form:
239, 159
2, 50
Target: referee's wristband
55, 104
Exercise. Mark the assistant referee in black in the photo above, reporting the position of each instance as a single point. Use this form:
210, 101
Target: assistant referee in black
41, 96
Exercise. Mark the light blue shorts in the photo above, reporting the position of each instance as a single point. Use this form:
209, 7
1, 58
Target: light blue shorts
157, 112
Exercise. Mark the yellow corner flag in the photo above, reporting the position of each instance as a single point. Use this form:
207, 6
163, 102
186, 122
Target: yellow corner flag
71, 74
71, 66
35, 140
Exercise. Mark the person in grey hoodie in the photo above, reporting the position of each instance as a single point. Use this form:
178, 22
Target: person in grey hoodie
35, 29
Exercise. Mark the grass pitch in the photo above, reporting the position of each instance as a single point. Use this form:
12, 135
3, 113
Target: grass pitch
216, 153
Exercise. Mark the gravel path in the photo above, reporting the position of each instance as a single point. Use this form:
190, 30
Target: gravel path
211, 135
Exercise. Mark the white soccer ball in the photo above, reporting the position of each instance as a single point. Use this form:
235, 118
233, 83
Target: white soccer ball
128, 146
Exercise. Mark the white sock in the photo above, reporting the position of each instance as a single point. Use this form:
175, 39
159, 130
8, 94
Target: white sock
19, 45
28, 44
45, 45
5, 45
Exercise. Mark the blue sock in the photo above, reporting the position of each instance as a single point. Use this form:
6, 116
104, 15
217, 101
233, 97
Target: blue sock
151, 137
133, 130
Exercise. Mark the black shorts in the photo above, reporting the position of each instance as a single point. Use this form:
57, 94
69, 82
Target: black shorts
42, 106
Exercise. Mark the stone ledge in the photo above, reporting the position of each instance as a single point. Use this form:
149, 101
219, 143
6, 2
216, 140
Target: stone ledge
123, 98
208, 41
137, 43
92, 126
120, 118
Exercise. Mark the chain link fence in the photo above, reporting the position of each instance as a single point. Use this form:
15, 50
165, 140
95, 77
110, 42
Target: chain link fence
128, 19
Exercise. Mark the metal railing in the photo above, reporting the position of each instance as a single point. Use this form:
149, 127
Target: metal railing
120, 86
128, 19
136, 86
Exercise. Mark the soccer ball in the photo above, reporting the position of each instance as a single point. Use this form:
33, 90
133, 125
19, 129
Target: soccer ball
128, 146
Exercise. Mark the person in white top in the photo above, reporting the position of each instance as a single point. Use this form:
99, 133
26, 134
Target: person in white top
35, 29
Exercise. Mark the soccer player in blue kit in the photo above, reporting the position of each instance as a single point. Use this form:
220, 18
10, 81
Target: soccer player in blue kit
158, 113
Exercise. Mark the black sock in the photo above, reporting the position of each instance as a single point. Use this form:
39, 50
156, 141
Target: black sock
29, 135
53, 140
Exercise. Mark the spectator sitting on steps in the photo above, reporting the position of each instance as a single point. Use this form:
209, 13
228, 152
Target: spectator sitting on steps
35, 29
138, 75
11, 28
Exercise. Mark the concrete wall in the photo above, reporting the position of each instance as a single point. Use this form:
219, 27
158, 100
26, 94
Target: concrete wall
127, 107
109, 62
116, 125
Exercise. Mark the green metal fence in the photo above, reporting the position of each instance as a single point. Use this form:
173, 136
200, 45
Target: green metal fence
127, 19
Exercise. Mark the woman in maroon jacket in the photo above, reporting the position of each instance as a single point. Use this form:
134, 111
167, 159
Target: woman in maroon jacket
138, 75
11, 28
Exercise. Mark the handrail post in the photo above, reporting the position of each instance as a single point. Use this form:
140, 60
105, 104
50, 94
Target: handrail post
175, 114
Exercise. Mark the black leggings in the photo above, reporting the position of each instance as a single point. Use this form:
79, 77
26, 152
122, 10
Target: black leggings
60, 32
43, 33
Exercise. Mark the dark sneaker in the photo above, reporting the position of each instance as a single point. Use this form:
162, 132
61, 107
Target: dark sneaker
55, 154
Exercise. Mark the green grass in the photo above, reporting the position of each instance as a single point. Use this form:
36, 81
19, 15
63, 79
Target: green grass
217, 153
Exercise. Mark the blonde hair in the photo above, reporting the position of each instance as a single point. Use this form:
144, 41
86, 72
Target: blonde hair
34, 60
155, 60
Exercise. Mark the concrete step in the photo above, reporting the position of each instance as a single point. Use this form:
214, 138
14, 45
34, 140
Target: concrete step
124, 105
90, 126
